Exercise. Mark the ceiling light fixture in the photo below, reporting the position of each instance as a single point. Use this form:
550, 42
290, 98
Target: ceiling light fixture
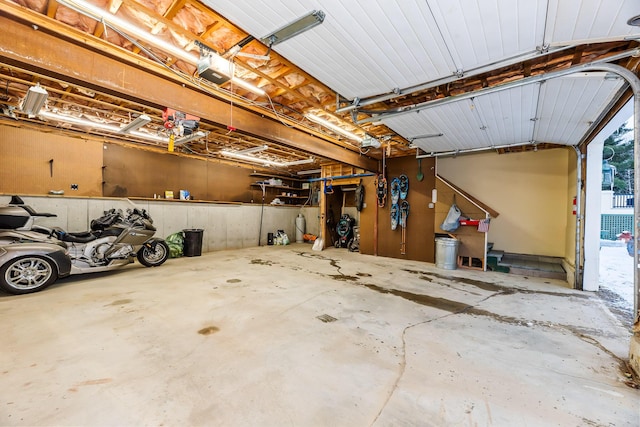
34, 100
135, 124
253, 149
634, 21
221, 64
105, 17
239, 155
248, 86
299, 162
97, 125
196, 135
294, 28
334, 127
309, 172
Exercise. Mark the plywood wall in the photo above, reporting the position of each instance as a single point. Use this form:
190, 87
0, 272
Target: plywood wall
420, 243
472, 242
136, 172
35, 162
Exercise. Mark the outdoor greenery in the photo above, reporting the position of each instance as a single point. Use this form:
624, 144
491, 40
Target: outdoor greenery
618, 152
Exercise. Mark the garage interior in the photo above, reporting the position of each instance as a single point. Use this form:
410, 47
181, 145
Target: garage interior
260, 113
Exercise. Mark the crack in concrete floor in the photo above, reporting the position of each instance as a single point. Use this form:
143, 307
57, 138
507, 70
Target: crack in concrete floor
456, 307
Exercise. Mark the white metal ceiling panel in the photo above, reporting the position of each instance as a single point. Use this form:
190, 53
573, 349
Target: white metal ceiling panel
482, 32
572, 21
508, 114
499, 118
559, 111
569, 106
457, 121
363, 47
370, 47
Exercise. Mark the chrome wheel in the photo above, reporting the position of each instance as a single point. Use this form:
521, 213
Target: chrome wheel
154, 257
27, 274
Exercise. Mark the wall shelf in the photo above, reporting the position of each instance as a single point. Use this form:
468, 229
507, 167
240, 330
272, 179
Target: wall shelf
282, 177
290, 186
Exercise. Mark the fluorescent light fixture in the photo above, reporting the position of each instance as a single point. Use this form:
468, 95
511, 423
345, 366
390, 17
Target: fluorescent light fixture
196, 135
97, 125
248, 158
79, 121
333, 127
220, 64
34, 100
309, 172
135, 124
254, 56
292, 29
248, 86
299, 162
105, 17
252, 159
253, 149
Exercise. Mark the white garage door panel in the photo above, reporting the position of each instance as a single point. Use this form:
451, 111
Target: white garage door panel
569, 105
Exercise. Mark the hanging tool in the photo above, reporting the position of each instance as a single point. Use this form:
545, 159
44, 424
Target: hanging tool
420, 175
381, 184
359, 196
404, 214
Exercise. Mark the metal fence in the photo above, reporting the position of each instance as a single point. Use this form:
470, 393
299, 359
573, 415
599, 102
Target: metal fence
611, 225
622, 201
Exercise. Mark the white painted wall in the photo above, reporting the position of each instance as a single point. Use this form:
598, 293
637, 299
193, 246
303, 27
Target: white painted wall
606, 204
226, 226
592, 209
528, 189
593, 202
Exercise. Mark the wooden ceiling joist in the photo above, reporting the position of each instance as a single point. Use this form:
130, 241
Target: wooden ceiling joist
79, 65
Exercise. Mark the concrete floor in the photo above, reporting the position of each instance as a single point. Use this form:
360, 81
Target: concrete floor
284, 336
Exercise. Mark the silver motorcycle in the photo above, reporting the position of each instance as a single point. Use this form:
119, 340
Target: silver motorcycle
33, 257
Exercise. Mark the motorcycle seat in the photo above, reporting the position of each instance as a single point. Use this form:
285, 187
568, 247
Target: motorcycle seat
82, 237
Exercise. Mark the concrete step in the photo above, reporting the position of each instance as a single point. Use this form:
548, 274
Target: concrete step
533, 266
530, 272
496, 254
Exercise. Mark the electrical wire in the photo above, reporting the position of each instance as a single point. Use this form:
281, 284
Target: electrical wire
233, 97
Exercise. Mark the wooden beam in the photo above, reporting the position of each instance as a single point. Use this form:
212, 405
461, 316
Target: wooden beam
50, 55
98, 44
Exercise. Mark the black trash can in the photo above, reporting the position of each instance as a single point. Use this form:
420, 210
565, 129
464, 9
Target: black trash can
193, 242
